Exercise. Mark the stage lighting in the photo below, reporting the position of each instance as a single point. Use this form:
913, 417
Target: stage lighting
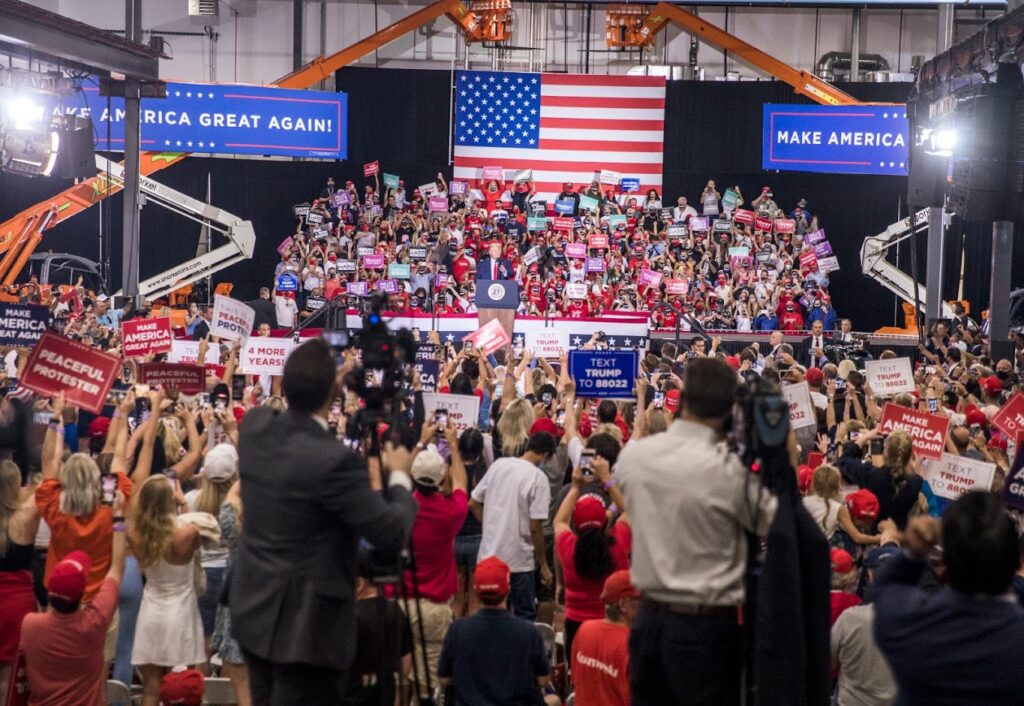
943, 142
29, 152
23, 114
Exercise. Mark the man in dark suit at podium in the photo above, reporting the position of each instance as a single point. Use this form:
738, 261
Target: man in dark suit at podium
494, 266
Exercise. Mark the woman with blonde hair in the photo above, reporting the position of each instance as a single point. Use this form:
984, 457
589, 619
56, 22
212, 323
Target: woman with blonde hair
830, 513
897, 483
512, 431
19, 520
168, 631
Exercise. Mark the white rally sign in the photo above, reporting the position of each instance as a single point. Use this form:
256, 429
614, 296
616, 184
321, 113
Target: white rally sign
890, 377
951, 476
265, 356
188, 352
547, 343
464, 410
231, 318
801, 411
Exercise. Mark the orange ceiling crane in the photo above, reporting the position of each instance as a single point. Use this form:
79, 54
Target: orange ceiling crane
804, 82
20, 234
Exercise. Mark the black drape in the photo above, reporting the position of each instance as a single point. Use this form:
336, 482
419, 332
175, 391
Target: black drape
401, 117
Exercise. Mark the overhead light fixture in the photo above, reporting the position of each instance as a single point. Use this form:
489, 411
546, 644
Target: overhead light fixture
24, 114
944, 141
29, 152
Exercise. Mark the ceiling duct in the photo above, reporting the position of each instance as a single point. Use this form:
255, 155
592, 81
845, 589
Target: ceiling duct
839, 62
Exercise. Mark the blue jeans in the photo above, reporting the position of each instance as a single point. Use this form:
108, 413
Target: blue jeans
209, 600
128, 601
522, 595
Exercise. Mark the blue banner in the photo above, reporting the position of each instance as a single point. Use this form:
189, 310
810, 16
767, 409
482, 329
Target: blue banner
604, 374
629, 185
22, 324
565, 207
287, 283
836, 139
428, 366
225, 119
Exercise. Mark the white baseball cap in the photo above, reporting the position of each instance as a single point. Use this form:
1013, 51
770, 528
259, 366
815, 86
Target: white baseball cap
221, 462
428, 468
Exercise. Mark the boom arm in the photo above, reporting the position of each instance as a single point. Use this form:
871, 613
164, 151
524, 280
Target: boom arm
803, 82
874, 265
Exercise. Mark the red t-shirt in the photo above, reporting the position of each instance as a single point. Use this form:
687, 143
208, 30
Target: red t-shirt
438, 520
841, 600
64, 653
582, 596
600, 663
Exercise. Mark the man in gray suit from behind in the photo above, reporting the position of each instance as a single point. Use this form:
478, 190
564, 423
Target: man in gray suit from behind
306, 501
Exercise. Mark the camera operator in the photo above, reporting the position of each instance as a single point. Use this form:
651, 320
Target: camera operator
307, 502
690, 503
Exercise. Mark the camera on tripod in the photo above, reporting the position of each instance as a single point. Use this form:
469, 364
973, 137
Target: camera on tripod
760, 424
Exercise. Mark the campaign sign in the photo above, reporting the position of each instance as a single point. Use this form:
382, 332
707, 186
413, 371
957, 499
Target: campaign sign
536, 223
265, 356
588, 203
438, 203
743, 216
547, 342
224, 119
522, 176
371, 168
188, 352
399, 271
629, 184
953, 475
815, 236
187, 379
676, 232
363, 250
83, 374
1013, 487
492, 173
801, 410
890, 377
927, 431
373, 262
1010, 418
340, 198
140, 337
314, 218
457, 188
359, 289
576, 290
607, 176
284, 246
417, 252
22, 324
346, 265
391, 180
828, 264
428, 190
739, 251
823, 250
388, 286
699, 223
320, 232
301, 209
576, 250
597, 242
595, 264
840, 139
562, 223
565, 206
649, 278
617, 220
729, 200
765, 255
808, 260
463, 410
427, 365
531, 256
287, 282
604, 375
721, 226
677, 287
489, 337
231, 318
784, 225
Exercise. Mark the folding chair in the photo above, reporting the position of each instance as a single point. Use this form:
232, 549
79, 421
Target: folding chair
547, 633
219, 691
118, 693
571, 701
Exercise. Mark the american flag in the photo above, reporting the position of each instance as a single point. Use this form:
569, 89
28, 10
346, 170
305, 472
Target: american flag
563, 127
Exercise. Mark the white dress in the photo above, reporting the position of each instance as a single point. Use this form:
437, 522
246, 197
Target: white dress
169, 631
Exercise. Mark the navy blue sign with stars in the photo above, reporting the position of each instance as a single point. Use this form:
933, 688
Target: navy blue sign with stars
493, 108
225, 119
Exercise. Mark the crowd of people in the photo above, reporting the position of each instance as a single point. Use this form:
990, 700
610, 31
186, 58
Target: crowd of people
588, 250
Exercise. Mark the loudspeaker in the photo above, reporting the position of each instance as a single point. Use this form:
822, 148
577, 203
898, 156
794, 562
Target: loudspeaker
77, 156
926, 186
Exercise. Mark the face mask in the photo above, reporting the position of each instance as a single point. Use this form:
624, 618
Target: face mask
1002, 375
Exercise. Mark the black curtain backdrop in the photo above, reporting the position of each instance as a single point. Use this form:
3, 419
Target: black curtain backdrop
401, 118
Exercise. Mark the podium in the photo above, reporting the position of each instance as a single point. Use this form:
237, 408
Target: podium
497, 299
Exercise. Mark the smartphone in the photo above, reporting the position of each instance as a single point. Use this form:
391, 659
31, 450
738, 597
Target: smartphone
877, 446
108, 488
204, 400
975, 429
441, 417
560, 418
126, 371
220, 403
237, 387
929, 369
546, 397
142, 407
933, 404
586, 459
659, 399
467, 346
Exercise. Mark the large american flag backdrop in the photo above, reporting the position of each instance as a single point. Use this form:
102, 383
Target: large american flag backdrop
564, 127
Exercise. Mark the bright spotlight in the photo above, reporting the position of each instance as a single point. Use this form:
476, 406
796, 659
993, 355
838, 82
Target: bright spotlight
30, 152
945, 140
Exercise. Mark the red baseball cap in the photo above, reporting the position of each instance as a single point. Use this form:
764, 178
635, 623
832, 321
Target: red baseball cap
863, 504
814, 376
733, 361
589, 513
99, 427
185, 687
545, 424
976, 416
842, 562
998, 441
804, 475
992, 385
492, 577
619, 585
672, 400
67, 581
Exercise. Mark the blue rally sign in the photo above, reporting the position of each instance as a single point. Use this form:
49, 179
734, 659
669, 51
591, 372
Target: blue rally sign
604, 375
226, 119
836, 139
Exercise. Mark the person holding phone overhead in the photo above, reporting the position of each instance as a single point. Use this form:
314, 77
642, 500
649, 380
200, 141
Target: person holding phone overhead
896, 484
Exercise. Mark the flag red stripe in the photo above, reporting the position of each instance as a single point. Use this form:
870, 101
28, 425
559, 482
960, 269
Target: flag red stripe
605, 124
601, 102
546, 165
602, 145
544, 187
593, 80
